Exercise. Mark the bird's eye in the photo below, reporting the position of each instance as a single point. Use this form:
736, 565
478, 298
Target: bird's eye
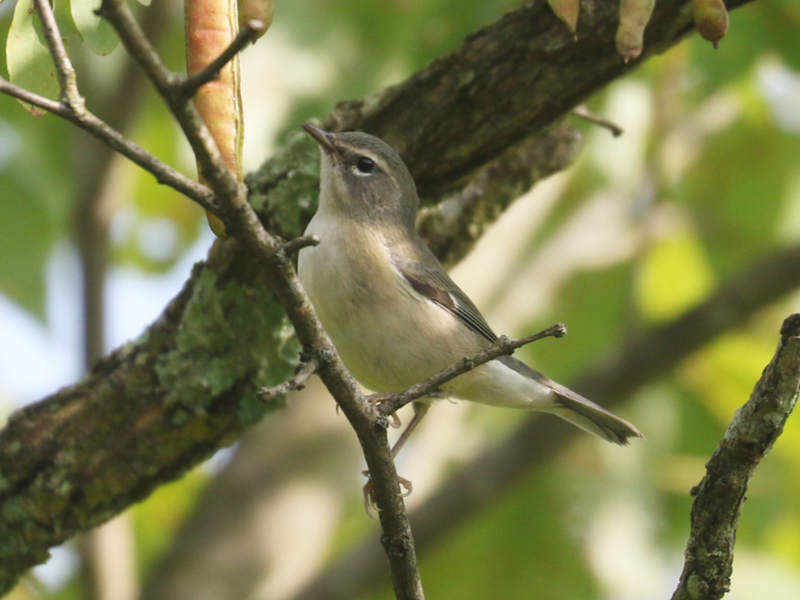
365, 165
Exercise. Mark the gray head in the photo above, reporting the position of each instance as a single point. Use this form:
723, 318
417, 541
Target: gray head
362, 177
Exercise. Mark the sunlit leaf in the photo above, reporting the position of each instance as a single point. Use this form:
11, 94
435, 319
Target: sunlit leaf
519, 547
725, 372
96, 31
27, 57
35, 188
596, 307
739, 186
674, 275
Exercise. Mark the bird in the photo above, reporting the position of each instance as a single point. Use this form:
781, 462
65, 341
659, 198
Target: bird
391, 310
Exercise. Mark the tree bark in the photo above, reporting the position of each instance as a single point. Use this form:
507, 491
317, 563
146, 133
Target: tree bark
157, 406
721, 493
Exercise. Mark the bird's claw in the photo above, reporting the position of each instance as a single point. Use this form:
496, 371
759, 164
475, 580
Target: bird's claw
369, 501
376, 400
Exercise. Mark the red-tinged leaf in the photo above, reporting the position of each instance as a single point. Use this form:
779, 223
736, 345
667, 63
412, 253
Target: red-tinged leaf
711, 19
210, 27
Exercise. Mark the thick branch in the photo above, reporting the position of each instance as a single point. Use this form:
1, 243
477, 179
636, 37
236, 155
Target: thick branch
189, 384
721, 493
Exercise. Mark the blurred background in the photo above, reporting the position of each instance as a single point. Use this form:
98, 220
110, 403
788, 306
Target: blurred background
704, 181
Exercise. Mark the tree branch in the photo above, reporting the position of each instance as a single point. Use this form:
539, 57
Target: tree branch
64, 70
241, 220
87, 121
304, 241
298, 382
610, 382
390, 403
721, 493
189, 384
250, 33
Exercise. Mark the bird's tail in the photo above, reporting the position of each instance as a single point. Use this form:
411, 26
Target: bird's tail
591, 417
576, 409
595, 419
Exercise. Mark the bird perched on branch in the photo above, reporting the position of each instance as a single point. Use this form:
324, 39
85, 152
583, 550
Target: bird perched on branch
389, 306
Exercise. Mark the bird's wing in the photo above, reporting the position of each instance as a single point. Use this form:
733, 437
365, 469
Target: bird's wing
427, 276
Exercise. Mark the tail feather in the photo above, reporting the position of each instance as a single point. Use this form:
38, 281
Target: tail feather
595, 419
579, 411
591, 417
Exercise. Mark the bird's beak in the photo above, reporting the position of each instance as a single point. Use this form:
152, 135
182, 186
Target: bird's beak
322, 137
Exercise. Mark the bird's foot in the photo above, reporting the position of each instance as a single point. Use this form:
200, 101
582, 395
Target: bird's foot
376, 399
369, 501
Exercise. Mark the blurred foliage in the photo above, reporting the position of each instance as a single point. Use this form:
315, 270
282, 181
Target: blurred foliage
714, 184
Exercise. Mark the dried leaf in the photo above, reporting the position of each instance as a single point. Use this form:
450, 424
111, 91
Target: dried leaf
260, 10
711, 19
211, 25
633, 18
567, 11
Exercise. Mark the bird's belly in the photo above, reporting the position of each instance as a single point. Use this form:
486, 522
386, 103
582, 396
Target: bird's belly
388, 336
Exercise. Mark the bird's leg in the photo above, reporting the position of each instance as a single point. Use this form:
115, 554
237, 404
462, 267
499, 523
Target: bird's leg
420, 410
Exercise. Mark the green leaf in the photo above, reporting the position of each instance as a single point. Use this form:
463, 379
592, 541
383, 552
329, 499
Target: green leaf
675, 274
27, 57
95, 31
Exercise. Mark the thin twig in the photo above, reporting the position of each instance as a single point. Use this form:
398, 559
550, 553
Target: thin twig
390, 403
298, 243
241, 220
298, 382
721, 493
64, 68
210, 72
584, 114
87, 121
209, 159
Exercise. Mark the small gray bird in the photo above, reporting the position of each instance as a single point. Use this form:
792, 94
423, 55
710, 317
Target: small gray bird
390, 308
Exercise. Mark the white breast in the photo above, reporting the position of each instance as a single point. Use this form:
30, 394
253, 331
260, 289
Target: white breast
388, 335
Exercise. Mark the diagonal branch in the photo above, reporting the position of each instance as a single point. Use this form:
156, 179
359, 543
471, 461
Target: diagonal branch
101, 130
169, 86
157, 406
241, 220
610, 382
64, 69
390, 403
250, 33
298, 382
721, 493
